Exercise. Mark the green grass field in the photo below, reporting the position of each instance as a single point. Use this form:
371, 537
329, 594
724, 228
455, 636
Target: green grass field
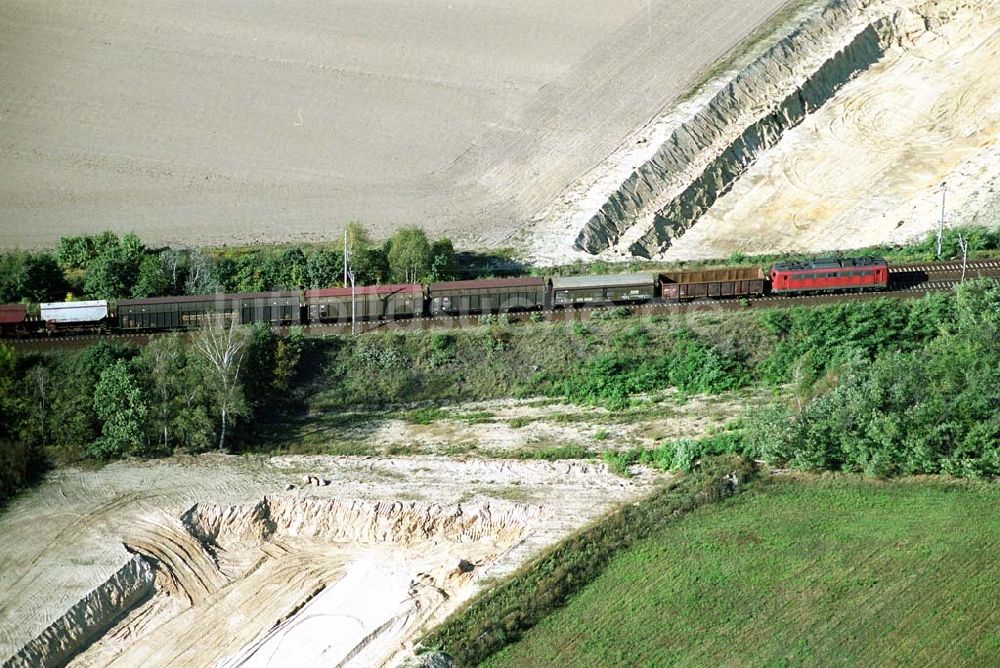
826, 572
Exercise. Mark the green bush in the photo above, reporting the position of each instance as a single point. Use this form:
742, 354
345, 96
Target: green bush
425, 415
554, 453
927, 409
683, 454
614, 313
612, 378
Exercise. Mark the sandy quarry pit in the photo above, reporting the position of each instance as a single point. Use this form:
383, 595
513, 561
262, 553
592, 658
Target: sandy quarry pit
212, 561
242, 120
837, 134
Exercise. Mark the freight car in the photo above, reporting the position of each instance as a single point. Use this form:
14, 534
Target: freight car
495, 295
830, 275
369, 302
13, 318
75, 317
618, 289
712, 283
160, 313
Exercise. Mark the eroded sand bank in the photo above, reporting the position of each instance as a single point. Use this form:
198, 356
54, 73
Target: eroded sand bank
838, 133
867, 168
235, 556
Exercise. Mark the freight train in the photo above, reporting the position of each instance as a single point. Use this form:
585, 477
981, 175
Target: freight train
454, 298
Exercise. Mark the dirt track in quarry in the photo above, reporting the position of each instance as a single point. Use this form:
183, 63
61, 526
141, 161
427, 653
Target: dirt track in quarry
198, 561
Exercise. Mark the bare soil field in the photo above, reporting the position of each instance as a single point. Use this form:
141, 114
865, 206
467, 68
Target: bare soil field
214, 560
223, 122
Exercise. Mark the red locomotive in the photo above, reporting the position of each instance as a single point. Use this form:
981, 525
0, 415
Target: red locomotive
830, 275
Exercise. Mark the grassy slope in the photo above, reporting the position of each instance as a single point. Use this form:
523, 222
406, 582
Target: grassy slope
842, 571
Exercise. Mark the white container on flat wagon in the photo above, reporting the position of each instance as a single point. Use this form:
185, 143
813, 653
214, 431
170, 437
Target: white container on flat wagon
90, 311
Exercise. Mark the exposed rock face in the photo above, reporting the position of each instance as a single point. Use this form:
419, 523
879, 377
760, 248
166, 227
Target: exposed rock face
429, 660
86, 620
707, 150
345, 520
707, 145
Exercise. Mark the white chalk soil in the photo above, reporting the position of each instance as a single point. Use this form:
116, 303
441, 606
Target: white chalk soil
248, 572
868, 167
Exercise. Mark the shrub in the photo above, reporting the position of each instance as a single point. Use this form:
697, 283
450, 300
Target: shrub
441, 342
612, 378
929, 409
518, 422
425, 415
615, 313
554, 453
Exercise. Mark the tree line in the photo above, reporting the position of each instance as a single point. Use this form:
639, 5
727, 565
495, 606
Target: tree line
109, 266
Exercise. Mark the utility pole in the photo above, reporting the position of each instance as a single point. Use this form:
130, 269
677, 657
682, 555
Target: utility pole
963, 243
349, 276
944, 195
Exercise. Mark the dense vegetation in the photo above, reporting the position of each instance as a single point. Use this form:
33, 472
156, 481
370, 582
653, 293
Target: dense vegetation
927, 403
111, 400
790, 572
107, 266
504, 613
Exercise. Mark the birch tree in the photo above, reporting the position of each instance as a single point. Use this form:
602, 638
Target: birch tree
409, 255
164, 360
201, 278
222, 346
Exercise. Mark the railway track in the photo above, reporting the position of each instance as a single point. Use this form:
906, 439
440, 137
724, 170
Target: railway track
905, 281
946, 267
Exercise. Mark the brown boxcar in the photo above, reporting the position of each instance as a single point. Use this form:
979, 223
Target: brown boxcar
274, 308
371, 302
712, 283
493, 295
12, 317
